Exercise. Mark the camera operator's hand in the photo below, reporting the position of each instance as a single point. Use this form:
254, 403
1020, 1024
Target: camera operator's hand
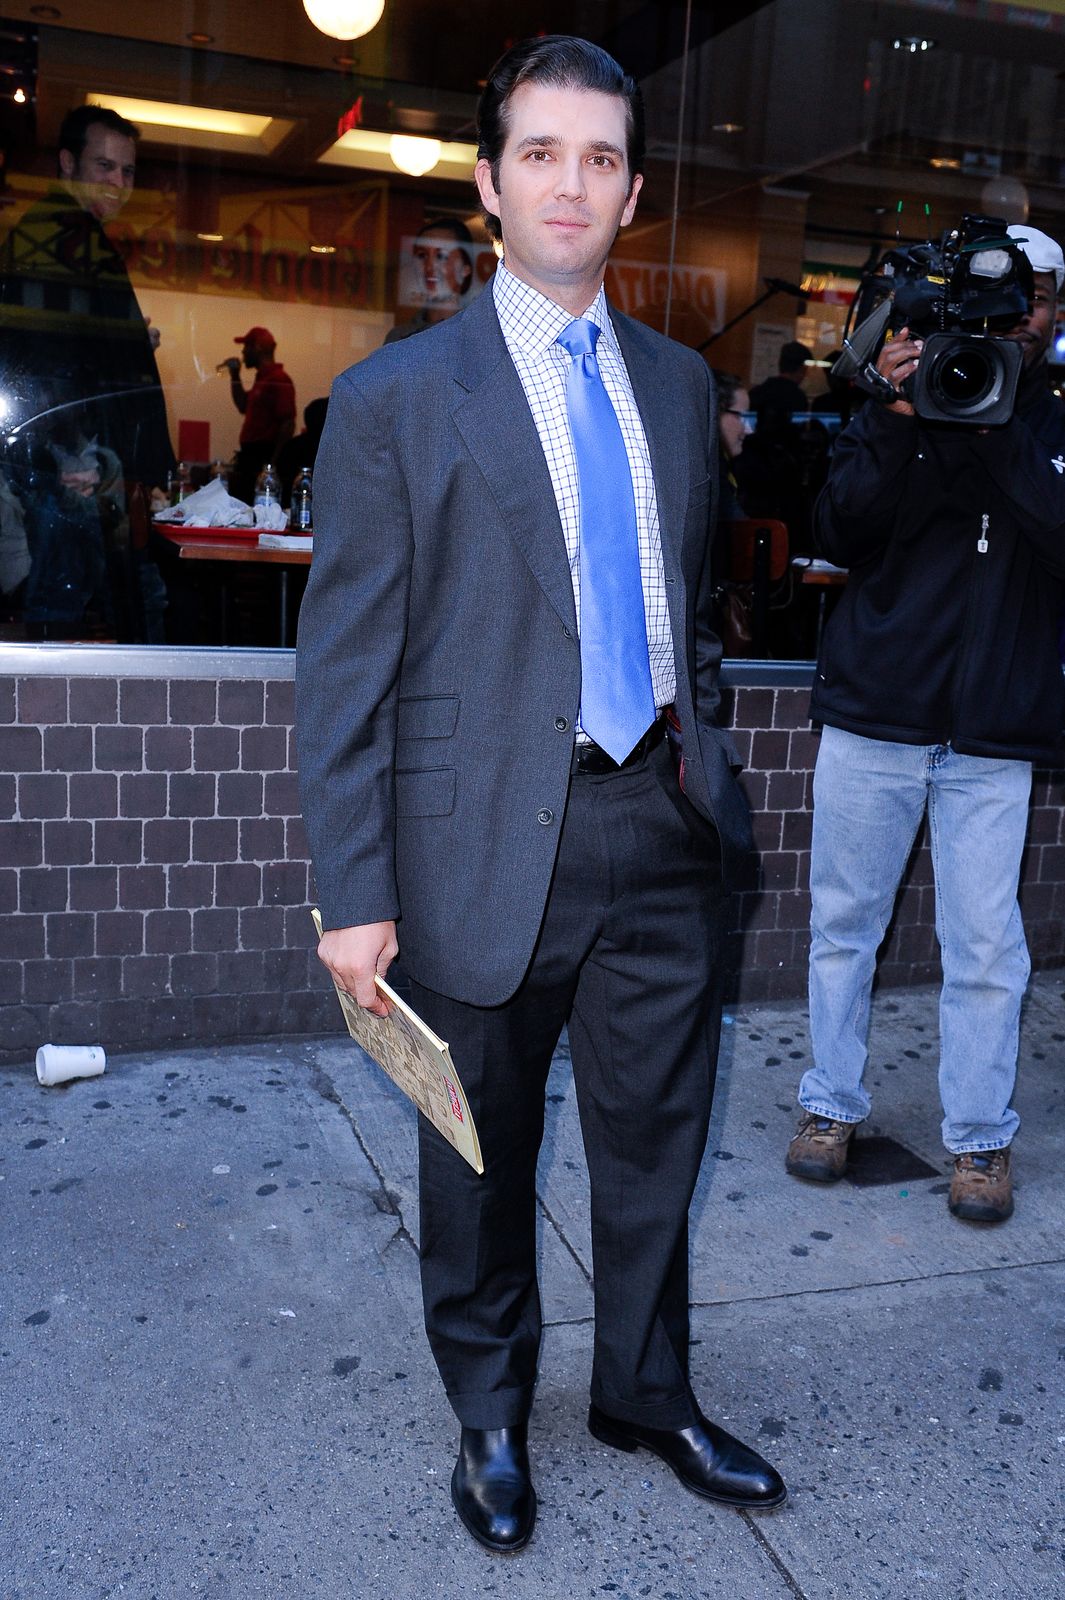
898, 361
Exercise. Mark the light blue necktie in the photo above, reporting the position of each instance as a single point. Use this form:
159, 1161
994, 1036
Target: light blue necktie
617, 701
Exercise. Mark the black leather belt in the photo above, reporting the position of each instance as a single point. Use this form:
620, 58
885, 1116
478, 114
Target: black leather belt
592, 758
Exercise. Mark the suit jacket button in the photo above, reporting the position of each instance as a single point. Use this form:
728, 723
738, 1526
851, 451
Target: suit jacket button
567, 632
561, 724
545, 817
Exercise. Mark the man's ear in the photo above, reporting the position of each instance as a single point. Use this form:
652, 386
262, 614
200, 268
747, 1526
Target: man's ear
68, 165
486, 188
630, 204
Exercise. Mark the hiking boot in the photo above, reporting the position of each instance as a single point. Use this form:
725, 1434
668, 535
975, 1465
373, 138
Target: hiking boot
982, 1189
819, 1149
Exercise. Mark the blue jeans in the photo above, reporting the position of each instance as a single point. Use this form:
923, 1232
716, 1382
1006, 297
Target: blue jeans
869, 798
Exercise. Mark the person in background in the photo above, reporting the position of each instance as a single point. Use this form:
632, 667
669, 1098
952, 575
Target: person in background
442, 252
733, 429
939, 685
781, 395
268, 409
302, 451
87, 437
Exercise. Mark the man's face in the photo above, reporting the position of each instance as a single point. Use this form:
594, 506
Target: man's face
1033, 333
101, 178
564, 188
256, 354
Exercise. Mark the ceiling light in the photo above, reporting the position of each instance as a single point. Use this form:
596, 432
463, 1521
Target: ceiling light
945, 163
728, 127
344, 19
323, 249
19, 97
200, 38
913, 44
208, 127
372, 151
211, 238
412, 155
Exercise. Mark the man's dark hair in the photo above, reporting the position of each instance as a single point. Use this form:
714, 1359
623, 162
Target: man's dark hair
76, 124
449, 225
794, 356
728, 387
564, 63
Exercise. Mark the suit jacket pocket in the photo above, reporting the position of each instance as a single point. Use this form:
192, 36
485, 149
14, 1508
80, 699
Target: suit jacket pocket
427, 716
427, 792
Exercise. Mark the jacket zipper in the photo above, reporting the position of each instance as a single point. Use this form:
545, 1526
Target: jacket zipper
956, 684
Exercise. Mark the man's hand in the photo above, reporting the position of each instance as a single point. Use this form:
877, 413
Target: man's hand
354, 955
898, 361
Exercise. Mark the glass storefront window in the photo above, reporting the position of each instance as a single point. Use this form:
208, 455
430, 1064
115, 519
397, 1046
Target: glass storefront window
174, 306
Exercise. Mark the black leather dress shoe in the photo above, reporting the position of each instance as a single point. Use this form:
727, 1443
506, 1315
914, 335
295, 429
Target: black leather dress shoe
492, 1489
705, 1458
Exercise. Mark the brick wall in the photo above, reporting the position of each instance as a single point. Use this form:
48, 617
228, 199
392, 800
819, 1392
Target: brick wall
153, 867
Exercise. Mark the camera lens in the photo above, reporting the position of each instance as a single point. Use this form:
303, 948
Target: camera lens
963, 377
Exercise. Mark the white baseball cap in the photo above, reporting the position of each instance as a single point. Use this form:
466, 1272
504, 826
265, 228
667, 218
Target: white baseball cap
1042, 251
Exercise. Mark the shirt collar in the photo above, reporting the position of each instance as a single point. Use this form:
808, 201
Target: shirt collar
530, 322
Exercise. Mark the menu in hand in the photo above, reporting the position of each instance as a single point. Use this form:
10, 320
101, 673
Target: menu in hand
417, 1062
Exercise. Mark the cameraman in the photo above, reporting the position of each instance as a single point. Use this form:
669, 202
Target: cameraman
939, 685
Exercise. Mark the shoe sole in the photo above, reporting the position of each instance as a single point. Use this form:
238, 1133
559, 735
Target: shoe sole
972, 1212
624, 1441
812, 1174
497, 1549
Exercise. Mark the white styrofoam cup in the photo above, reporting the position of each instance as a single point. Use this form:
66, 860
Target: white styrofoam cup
58, 1063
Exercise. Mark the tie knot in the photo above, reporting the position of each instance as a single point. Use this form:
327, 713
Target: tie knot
580, 337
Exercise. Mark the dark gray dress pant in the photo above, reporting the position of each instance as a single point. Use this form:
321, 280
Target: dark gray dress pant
629, 956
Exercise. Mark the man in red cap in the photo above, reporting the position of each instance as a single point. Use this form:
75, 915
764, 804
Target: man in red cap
268, 408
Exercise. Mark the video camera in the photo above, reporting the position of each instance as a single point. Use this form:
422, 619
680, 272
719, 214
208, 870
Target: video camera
954, 295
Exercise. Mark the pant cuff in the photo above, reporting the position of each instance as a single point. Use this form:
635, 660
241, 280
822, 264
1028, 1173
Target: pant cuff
499, 1408
678, 1411
821, 1109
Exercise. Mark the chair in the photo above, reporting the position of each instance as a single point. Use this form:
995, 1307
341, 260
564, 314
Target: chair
754, 550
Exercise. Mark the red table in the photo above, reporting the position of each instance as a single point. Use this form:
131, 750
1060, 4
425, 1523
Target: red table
200, 544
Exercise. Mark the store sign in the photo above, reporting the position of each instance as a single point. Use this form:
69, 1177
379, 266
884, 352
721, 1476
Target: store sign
250, 265
631, 285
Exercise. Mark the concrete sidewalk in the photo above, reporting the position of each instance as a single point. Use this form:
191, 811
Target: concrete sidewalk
214, 1382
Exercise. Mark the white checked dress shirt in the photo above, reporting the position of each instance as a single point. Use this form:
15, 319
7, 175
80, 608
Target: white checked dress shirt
531, 324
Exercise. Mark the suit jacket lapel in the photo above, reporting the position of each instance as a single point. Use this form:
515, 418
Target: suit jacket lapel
657, 408
494, 420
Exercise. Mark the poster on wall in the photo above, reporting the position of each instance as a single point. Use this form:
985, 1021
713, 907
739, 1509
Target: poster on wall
765, 348
442, 274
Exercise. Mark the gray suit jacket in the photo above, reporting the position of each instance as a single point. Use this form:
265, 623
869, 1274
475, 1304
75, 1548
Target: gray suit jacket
438, 676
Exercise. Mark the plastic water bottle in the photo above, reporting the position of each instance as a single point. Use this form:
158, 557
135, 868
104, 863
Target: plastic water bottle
267, 487
180, 483
300, 516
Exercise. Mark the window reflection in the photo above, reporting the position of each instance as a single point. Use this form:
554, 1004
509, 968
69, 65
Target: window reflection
238, 188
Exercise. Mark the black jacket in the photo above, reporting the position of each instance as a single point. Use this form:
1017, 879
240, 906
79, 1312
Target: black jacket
947, 631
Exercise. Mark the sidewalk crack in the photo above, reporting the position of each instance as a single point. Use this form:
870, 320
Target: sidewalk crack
878, 1283
557, 1226
794, 1586
385, 1199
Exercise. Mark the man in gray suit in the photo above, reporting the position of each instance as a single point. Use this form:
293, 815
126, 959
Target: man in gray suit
509, 594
